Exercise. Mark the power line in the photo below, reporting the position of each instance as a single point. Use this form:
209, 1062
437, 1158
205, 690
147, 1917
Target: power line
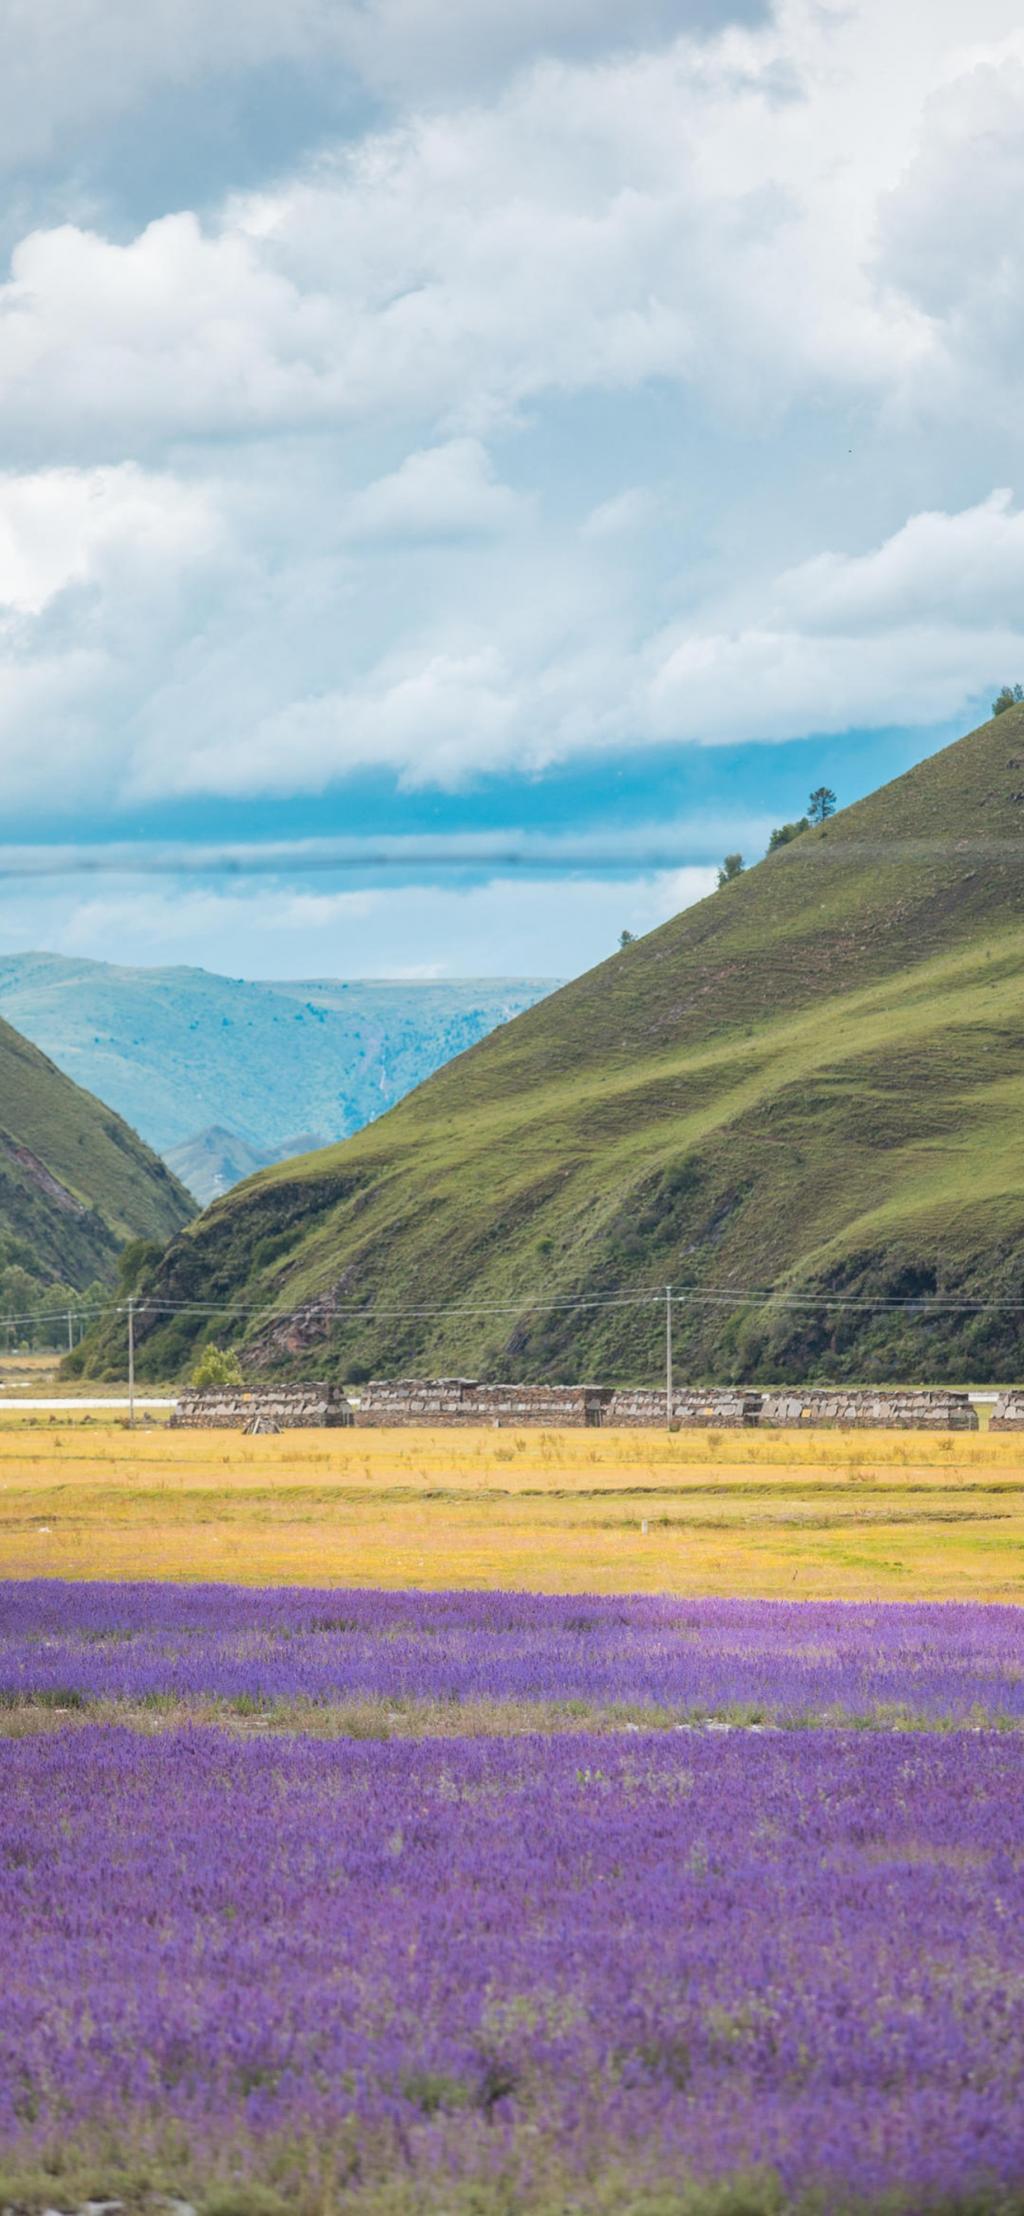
683, 1295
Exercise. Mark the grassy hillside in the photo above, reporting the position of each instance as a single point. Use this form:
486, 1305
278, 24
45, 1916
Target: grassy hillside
811, 1082
75, 1183
189, 1058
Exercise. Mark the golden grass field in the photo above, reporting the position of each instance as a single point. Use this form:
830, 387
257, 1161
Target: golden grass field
843, 1515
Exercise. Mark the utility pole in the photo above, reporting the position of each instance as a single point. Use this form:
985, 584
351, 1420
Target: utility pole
668, 1357
131, 1365
71, 1335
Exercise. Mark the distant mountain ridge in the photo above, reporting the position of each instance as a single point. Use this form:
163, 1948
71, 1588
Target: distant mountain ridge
182, 1052
801, 1102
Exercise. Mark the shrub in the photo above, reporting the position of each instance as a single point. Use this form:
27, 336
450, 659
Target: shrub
784, 832
217, 1366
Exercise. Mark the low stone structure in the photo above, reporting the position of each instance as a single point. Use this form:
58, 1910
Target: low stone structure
887, 1408
461, 1400
448, 1401
271, 1407
1008, 1413
716, 1407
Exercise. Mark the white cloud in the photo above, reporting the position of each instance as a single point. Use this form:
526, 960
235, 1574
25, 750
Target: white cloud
911, 632
432, 48
950, 236
625, 513
908, 633
70, 64
635, 400
431, 720
948, 229
103, 345
102, 575
965, 569
448, 491
669, 216
256, 931
762, 685
751, 218
60, 527
521, 650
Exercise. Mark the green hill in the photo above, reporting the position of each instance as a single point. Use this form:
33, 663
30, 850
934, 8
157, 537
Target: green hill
811, 1082
76, 1184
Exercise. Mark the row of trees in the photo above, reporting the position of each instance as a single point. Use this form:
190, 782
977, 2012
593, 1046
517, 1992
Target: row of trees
820, 806
36, 1316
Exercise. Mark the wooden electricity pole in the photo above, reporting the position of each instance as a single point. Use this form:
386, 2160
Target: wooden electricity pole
668, 1357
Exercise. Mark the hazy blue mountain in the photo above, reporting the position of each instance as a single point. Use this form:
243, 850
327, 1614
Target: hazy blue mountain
214, 1160
226, 1075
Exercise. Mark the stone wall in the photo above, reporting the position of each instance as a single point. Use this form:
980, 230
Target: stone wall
460, 1400
286, 1407
1008, 1413
454, 1400
718, 1407
888, 1409
464, 1401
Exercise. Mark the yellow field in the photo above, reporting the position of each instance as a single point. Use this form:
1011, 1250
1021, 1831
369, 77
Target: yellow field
848, 1515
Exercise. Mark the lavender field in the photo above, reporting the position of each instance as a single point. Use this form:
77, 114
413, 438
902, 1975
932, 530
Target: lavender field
627, 1970
534, 1975
788, 1663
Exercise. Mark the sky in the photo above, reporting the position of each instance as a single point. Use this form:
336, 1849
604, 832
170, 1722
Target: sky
531, 452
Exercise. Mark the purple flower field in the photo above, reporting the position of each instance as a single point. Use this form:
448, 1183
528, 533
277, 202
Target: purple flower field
626, 1973
506, 1975
788, 1662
